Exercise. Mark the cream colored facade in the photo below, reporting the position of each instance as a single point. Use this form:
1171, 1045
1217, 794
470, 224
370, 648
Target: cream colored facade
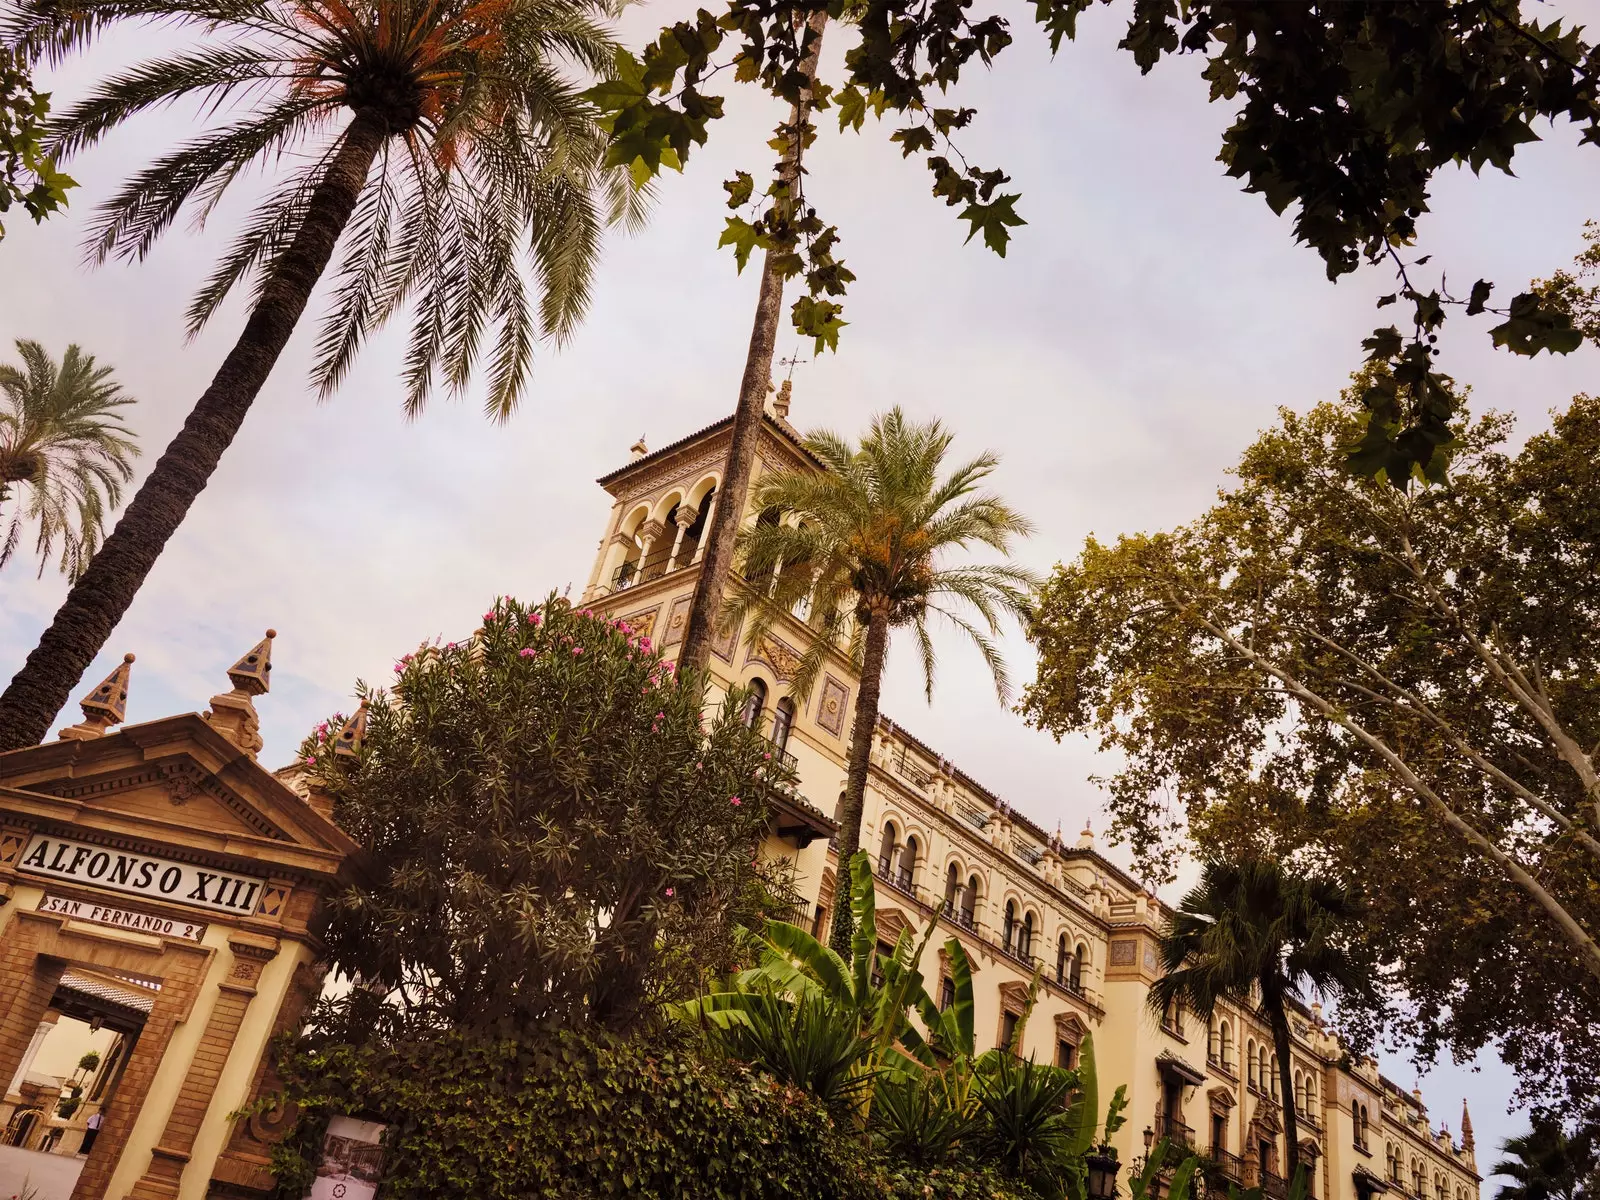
157, 886
949, 850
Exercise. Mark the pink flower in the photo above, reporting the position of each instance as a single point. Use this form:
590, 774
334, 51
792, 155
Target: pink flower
735, 801
311, 760
489, 616
667, 668
398, 667
669, 892
660, 716
449, 645
535, 619
698, 766
768, 757
322, 727
644, 643
577, 650
527, 652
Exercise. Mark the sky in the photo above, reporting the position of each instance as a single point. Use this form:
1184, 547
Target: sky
1147, 321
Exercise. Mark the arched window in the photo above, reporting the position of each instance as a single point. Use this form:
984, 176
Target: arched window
952, 888
1311, 1094
1299, 1093
782, 723
1080, 959
1025, 937
1062, 958
1225, 1044
969, 902
887, 848
697, 529
1272, 1077
754, 703
1009, 928
1250, 1064
908, 864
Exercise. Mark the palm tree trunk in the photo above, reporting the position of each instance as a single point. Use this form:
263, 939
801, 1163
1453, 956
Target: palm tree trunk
1278, 1018
855, 788
717, 563
102, 596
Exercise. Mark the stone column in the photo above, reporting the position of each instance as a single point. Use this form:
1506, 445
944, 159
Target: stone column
683, 518
46, 1024
711, 515
171, 1155
649, 534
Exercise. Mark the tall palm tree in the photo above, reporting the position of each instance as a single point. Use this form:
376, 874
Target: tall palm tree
711, 584
1548, 1163
1252, 928
62, 441
447, 143
866, 550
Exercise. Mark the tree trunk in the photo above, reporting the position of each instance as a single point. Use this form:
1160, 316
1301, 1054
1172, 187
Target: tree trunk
98, 601
855, 788
1278, 1018
717, 562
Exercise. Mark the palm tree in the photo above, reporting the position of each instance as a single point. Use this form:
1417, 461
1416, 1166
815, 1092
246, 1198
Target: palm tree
865, 551
63, 441
1547, 1163
1252, 928
711, 584
489, 164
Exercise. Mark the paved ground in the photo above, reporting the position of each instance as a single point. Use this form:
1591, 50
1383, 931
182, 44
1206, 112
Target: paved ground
51, 1176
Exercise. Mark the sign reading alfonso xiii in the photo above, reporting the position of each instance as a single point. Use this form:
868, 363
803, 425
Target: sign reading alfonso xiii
140, 874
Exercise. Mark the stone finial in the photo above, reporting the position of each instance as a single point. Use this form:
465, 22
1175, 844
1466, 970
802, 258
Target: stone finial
233, 713
107, 705
253, 672
1466, 1127
1086, 838
780, 402
351, 733
639, 449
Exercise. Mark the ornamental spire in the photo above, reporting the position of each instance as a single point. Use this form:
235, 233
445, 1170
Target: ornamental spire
107, 705
232, 713
351, 733
1466, 1127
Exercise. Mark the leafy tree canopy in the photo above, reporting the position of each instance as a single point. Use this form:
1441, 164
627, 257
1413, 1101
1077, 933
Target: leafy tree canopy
550, 833
28, 174
1397, 686
1344, 108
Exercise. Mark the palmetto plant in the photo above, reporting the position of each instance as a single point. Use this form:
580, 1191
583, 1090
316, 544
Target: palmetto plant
864, 545
64, 453
444, 142
1254, 931
872, 995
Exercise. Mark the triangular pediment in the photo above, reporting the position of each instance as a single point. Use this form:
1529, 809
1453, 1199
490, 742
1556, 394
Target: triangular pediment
178, 784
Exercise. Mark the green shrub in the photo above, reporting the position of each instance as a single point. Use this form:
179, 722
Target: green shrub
572, 1116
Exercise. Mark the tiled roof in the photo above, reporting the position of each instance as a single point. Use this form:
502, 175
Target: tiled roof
789, 433
137, 997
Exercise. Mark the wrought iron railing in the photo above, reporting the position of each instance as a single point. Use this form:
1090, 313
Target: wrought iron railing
1173, 1128
1230, 1166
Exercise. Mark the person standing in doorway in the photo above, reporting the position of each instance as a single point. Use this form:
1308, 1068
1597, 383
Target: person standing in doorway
92, 1130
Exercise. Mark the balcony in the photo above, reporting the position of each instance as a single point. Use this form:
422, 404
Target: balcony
784, 758
1017, 953
1072, 981
1175, 1130
791, 907
897, 877
1229, 1166
964, 917
1274, 1186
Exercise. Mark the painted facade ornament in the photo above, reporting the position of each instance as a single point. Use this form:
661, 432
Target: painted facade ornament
107, 705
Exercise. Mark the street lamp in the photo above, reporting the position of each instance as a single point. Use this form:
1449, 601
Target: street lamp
1103, 1167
